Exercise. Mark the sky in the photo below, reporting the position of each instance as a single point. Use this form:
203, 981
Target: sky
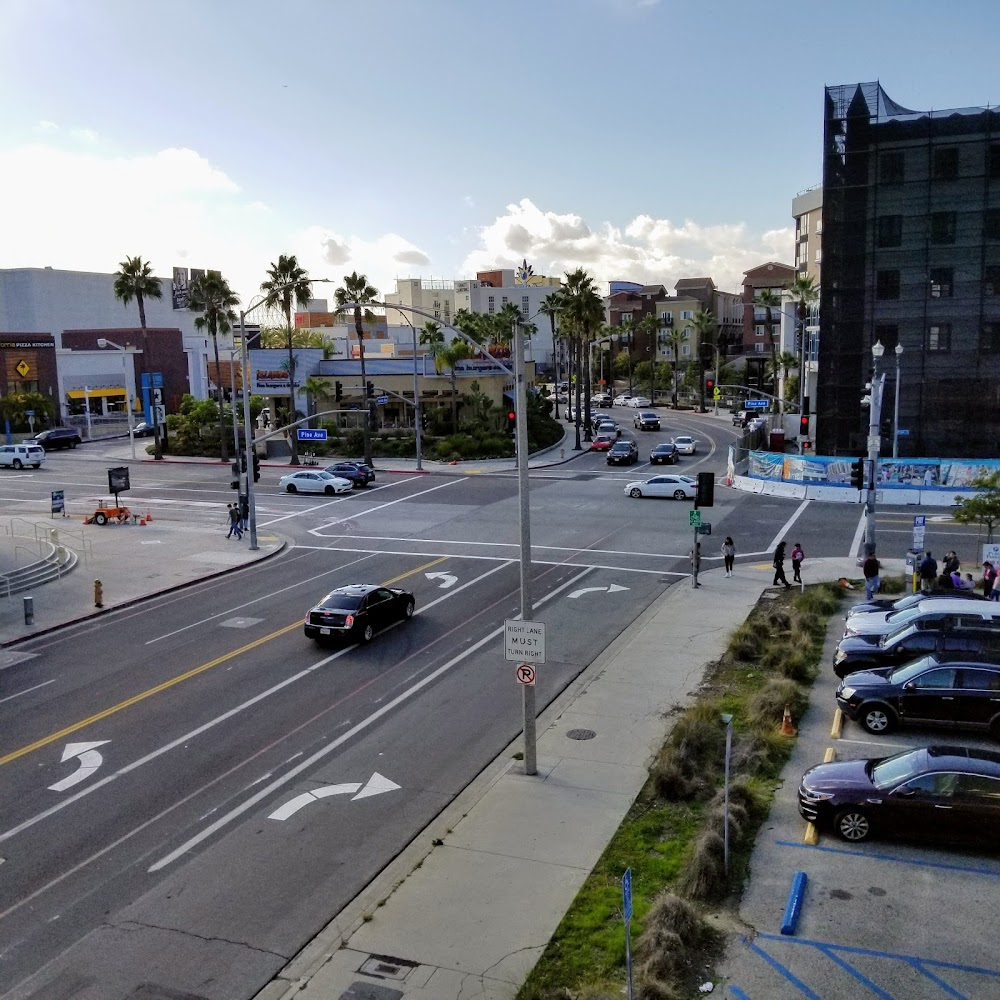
644, 140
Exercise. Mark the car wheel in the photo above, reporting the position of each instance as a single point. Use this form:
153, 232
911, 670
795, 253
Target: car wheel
37, 465
877, 719
366, 633
328, 491
18, 464
408, 610
635, 492
73, 444
679, 495
291, 488
852, 824
100, 518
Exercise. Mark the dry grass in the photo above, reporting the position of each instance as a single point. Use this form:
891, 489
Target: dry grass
767, 706
687, 764
704, 876
673, 940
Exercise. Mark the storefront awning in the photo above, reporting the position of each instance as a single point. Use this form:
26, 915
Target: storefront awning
81, 393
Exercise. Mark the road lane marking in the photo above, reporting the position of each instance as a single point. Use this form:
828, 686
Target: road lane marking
11, 697
403, 696
856, 541
194, 733
329, 503
187, 675
786, 527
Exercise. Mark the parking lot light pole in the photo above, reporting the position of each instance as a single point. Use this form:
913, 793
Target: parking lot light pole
874, 444
104, 342
895, 414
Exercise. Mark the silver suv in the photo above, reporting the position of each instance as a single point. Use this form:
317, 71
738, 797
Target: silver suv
20, 455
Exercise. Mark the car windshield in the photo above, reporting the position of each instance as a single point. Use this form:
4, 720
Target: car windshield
890, 638
683, 440
900, 675
647, 416
343, 602
664, 447
901, 766
903, 617
621, 447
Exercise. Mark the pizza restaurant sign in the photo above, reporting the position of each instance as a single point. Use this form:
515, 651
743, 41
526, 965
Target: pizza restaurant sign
22, 344
271, 379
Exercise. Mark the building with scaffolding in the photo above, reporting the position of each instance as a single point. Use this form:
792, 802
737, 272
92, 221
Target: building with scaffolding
911, 257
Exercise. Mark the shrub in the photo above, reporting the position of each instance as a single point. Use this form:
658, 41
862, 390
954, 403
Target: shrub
816, 601
704, 876
894, 585
767, 706
746, 643
693, 754
354, 443
670, 944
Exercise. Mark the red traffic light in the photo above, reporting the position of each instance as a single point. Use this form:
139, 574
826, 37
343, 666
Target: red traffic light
804, 424
512, 416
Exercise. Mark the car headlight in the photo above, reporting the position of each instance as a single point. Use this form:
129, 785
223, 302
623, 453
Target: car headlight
840, 657
847, 692
810, 796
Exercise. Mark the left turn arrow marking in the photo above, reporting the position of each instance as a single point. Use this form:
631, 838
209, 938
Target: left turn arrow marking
90, 761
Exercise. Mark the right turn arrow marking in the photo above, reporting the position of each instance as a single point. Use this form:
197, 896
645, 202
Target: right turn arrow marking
375, 785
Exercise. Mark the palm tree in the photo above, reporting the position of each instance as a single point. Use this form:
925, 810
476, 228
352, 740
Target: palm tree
650, 327
134, 280
804, 293
432, 337
316, 389
706, 329
626, 334
675, 340
210, 294
585, 310
287, 281
448, 357
503, 325
769, 301
779, 366
551, 307
358, 291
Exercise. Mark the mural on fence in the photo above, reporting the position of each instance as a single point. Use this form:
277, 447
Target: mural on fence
919, 473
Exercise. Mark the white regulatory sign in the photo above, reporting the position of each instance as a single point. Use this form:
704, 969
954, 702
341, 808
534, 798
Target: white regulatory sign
524, 641
526, 674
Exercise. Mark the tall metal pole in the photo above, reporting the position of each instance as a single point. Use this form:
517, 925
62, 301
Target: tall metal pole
524, 520
416, 395
716, 390
895, 414
874, 442
247, 430
232, 407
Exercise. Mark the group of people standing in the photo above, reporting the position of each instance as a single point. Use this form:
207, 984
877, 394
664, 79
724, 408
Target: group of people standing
728, 551
797, 557
951, 578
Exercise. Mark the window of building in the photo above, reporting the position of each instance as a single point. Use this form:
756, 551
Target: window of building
939, 337
685, 350
943, 227
687, 314
503, 300
760, 331
994, 161
887, 285
491, 304
890, 168
819, 226
942, 279
758, 348
804, 225
989, 338
890, 230
524, 305
991, 279
437, 313
687, 333
819, 256
946, 163
993, 223
626, 317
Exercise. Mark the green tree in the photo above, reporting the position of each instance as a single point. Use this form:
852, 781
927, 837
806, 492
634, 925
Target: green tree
211, 295
769, 301
317, 390
287, 282
779, 365
804, 293
355, 294
706, 332
551, 307
650, 327
134, 280
984, 508
432, 337
458, 350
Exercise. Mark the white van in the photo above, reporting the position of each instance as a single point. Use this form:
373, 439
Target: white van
20, 455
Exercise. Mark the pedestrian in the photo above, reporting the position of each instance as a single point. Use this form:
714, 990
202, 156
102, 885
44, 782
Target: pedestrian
695, 557
951, 562
871, 569
729, 554
797, 556
989, 579
968, 583
234, 522
779, 565
244, 512
927, 571
956, 579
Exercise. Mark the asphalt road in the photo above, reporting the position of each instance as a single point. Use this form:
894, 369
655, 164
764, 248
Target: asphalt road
206, 713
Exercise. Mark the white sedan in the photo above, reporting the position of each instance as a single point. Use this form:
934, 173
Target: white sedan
314, 482
686, 445
622, 400
678, 487
639, 401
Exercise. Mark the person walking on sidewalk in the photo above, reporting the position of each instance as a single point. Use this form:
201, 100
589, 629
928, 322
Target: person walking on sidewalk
927, 571
245, 513
797, 556
871, 569
729, 554
234, 522
779, 565
695, 556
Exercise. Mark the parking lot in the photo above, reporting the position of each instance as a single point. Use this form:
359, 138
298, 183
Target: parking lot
884, 918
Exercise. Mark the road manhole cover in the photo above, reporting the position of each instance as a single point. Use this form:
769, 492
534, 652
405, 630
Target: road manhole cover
581, 734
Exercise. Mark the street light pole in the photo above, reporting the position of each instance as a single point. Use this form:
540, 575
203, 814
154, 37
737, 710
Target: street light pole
104, 342
874, 444
247, 432
895, 415
232, 408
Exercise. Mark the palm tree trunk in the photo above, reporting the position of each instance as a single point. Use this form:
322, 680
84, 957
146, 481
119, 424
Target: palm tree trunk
294, 439
652, 371
147, 368
555, 352
577, 346
223, 451
677, 361
701, 376
454, 401
369, 403
588, 434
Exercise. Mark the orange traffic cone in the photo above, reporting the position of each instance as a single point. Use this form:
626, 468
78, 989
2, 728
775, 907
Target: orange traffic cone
787, 729
149, 517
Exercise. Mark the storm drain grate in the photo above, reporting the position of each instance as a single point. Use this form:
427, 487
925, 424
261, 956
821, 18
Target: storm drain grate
385, 967
369, 991
581, 734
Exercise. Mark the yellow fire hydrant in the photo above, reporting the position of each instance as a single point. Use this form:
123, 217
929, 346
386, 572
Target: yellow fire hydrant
98, 594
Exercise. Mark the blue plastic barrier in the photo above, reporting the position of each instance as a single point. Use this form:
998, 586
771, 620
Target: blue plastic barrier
794, 907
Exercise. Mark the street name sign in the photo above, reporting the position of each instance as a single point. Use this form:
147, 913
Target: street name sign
308, 434
524, 641
382, 400
757, 404
694, 518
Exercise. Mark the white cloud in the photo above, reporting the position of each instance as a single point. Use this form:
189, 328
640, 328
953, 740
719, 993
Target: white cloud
46, 126
87, 135
647, 249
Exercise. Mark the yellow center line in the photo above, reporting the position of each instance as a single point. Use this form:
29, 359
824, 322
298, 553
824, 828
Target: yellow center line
187, 675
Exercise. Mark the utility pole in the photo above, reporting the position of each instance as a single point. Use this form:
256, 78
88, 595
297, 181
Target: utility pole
874, 444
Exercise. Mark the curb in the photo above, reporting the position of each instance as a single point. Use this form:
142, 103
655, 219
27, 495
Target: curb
133, 601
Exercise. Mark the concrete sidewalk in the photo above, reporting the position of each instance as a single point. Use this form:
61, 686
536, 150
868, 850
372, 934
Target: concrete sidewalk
131, 561
470, 917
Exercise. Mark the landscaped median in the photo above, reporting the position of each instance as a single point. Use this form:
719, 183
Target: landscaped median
672, 838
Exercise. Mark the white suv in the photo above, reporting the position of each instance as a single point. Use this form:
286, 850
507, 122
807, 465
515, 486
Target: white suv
20, 455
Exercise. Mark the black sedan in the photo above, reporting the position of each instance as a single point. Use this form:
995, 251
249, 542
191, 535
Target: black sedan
942, 793
664, 454
58, 437
357, 612
357, 472
623, 453
868, 652
937, 690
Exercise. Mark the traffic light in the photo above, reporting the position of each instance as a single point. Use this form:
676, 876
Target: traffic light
423, 418
338, 391
706, 490
858, 474
511, 422
710, 386
804, 425
370, 390
256, 467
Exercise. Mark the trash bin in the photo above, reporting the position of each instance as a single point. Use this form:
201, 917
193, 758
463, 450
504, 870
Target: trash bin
777, 439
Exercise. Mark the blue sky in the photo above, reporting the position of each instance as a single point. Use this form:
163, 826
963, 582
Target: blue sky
640, 139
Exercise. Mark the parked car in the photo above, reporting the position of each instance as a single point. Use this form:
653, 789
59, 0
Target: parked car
902, 603
934, 612
19, 455
646, 420
622, 400
601, 399
686, 445
314, 482
602, 442
623, 453
357, 472
741, 418
610, 428
599, 418
863, 652
636, 402
665, 453
142, 429
357, 612
937, 689
678, 487
58, 437
938, 792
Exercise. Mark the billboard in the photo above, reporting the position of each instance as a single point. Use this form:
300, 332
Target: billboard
179, 288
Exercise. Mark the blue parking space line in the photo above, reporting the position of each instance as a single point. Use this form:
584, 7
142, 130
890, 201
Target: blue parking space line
779, 968
861, 978
738, 993
874, 856
938, 981
875, 953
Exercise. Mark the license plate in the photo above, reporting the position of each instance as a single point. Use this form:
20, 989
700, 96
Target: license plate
324, 631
